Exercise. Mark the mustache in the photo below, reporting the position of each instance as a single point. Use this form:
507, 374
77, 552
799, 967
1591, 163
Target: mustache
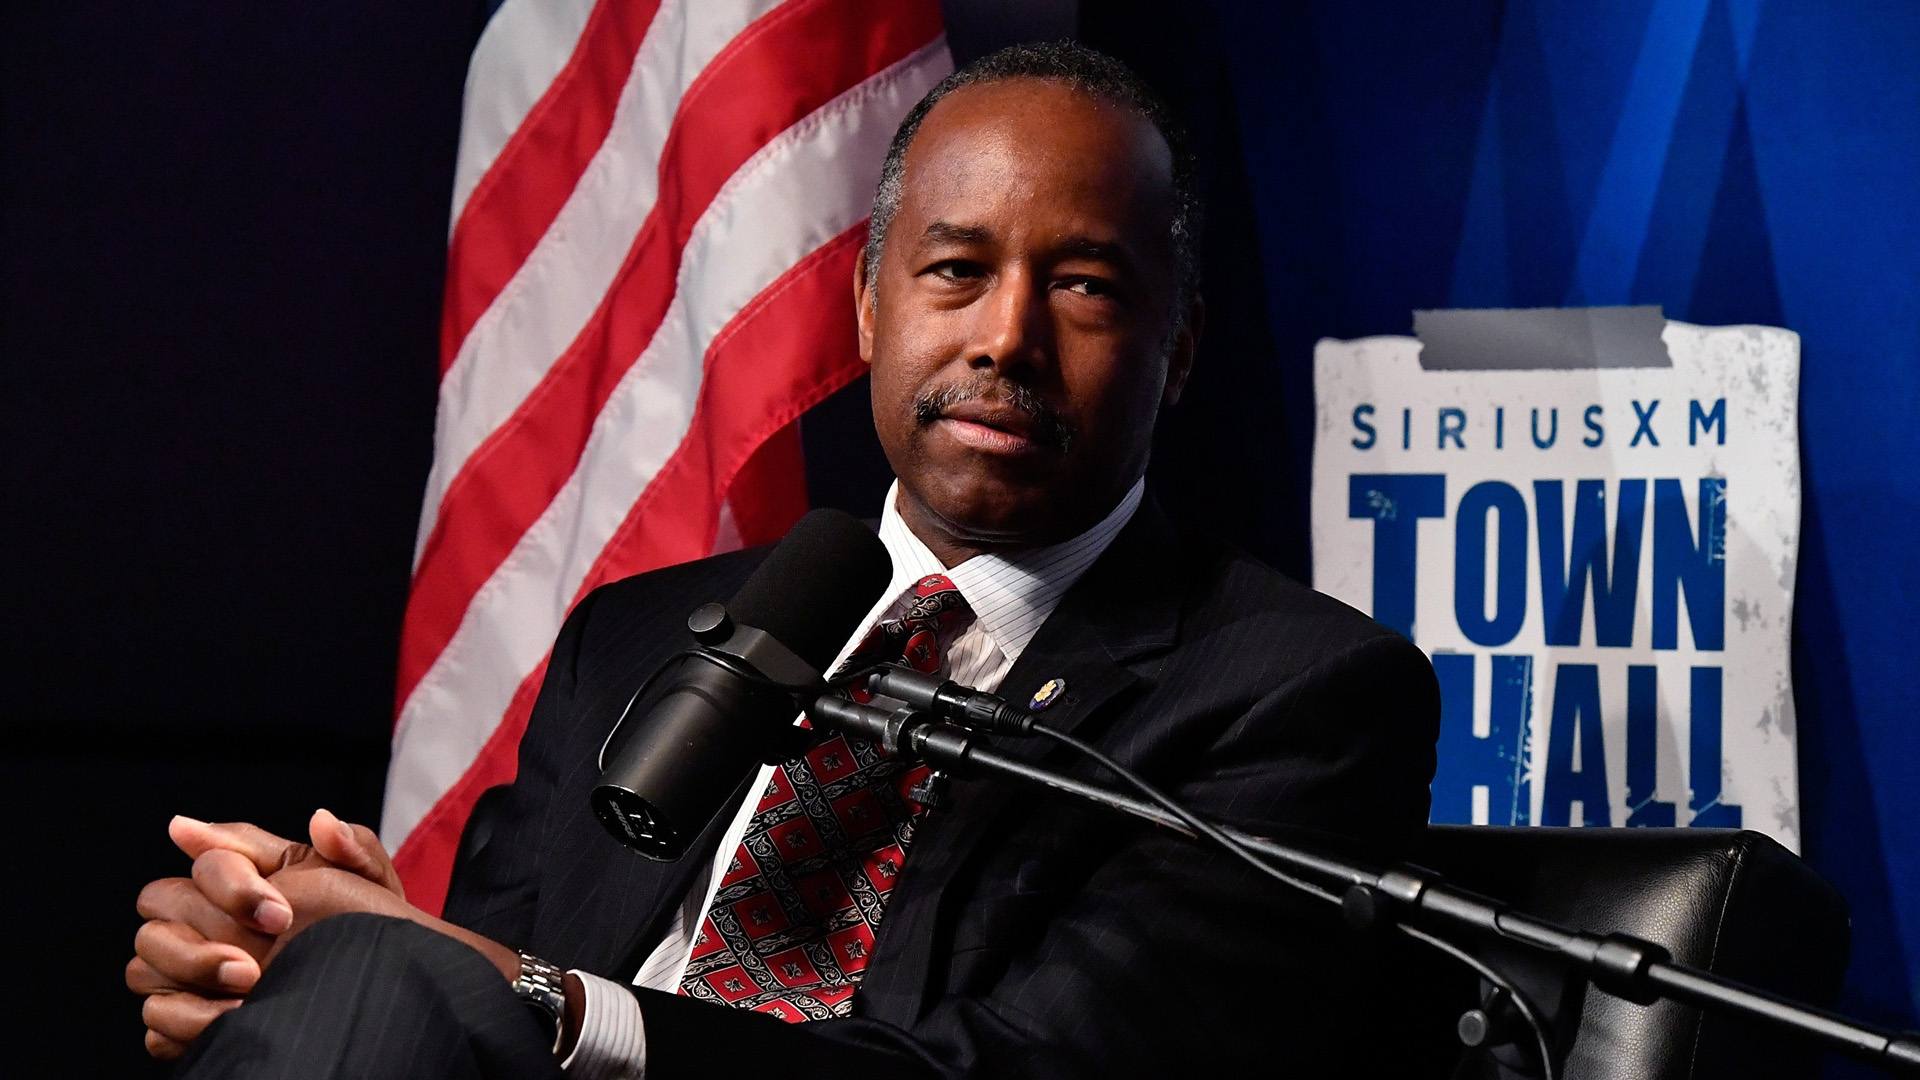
1047, 426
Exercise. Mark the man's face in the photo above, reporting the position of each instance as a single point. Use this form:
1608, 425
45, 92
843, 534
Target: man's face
1020, 322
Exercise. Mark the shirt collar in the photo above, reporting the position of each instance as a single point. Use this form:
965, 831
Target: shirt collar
1011, 594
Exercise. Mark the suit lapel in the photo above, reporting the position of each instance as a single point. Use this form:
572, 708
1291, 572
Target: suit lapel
1126, 609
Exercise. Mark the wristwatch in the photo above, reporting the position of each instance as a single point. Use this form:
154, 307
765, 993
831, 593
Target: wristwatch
544, 988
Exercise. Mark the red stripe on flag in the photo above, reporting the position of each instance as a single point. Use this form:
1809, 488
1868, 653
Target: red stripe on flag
770, 494
783, 68
782, 355
523, 190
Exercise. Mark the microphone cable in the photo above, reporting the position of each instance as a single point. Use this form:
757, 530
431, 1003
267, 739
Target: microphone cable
1207, 830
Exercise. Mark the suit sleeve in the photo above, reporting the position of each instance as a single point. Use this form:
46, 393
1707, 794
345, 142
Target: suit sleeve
496, 880
1165, 959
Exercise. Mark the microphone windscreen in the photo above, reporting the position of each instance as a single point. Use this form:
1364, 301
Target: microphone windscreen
816, 585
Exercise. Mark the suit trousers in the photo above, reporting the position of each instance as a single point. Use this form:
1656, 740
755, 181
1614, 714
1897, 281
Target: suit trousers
372, 997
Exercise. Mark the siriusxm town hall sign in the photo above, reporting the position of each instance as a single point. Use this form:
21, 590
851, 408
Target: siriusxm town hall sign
1588, 518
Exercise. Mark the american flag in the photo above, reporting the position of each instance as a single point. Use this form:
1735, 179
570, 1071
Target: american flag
657, 207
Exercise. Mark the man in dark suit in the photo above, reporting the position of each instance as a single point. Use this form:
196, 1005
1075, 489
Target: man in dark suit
1028, 303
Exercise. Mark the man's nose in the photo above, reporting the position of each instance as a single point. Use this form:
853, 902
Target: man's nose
1014, 332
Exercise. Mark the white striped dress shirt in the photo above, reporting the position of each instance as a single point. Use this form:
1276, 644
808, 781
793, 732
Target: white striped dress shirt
1010, 595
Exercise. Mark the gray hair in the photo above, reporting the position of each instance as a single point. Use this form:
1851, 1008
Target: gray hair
1096, 75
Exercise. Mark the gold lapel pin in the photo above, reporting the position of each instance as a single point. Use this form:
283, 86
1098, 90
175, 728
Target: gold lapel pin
1048, 693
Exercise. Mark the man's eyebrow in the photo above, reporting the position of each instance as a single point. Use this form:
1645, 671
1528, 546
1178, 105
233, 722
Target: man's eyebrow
1076, 247
946, 232
1083, 247
1111, 252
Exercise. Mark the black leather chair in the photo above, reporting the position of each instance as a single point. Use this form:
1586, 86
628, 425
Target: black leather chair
1727, 901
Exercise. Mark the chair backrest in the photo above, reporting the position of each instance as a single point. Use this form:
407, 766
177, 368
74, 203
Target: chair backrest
1731, 902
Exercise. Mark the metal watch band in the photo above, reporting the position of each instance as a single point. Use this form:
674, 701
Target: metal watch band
544, 987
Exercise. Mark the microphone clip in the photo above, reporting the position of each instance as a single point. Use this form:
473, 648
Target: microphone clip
768, 660
891, 737
952, 702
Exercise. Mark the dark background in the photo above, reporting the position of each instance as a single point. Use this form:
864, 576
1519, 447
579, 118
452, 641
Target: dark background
223, 241
222, 247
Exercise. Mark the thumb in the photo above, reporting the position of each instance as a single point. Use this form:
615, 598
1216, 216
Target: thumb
266, 851
354, 848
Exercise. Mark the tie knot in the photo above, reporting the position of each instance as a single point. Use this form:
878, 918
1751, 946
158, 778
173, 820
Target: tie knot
936, 605
933, 583
935, 614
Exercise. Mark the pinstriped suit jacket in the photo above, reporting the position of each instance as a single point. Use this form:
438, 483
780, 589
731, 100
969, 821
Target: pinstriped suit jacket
1027, 936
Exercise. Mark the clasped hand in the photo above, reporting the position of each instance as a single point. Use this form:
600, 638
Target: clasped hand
209, 937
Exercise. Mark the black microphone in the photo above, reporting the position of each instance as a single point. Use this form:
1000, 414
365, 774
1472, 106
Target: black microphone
949, 700
714, 724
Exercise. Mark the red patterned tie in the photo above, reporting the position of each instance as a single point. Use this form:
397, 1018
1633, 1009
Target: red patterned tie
790, 928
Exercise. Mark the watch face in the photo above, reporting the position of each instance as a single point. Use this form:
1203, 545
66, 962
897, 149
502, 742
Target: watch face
550, 1025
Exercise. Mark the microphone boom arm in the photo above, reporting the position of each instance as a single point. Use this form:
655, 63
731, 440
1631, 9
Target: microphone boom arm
1632, 968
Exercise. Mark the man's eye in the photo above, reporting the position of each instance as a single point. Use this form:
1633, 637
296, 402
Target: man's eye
1091, 287
956, 270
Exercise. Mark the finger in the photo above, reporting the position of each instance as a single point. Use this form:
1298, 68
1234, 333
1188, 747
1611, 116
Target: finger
390, 877
180, 900
233, 884
162, 1047
164, 898
195, 837
182, 1016
143, 979
175, 956
354, 848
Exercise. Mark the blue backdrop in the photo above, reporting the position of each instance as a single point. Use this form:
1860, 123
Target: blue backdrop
1730, 160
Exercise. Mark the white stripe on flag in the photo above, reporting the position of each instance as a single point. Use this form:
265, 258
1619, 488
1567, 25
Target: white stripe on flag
804, 188
524, 46
557, 289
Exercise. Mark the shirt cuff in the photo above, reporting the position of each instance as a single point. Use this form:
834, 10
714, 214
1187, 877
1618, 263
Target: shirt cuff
613, 1041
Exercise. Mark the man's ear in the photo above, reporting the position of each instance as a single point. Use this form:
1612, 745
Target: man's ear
863, 305
1180, 358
